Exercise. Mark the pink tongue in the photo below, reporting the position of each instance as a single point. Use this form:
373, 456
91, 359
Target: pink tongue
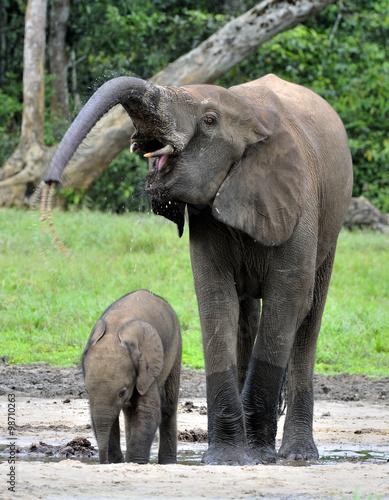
161, 161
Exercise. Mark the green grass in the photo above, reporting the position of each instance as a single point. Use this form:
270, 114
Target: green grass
49, 305
354, 336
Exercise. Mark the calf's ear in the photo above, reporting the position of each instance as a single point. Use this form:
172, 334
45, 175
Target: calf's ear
146, 350
96, 334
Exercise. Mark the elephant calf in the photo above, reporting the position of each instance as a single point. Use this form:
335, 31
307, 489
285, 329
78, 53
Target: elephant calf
132, 363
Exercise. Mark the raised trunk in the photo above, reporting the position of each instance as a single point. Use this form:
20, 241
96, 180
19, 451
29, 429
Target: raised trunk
137, 97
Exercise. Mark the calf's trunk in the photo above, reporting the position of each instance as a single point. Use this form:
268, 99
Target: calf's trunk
107, 432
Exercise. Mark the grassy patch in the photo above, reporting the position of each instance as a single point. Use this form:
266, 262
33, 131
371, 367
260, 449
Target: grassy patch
355, 330
49, 305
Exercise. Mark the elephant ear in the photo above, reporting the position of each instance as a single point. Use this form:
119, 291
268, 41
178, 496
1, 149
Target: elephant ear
263, 193
96, 334
172, 210
146, 350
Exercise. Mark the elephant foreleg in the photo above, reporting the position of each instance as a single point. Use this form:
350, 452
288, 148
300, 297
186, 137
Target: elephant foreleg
142, 421
218, 304
227, 443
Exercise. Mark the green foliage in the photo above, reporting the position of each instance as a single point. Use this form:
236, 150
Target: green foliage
49, 305
139, 38
54, 125
11, 57
350, 69
10, 111
121, 187
12, 13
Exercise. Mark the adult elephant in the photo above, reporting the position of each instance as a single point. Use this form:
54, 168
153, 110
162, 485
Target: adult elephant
263, 171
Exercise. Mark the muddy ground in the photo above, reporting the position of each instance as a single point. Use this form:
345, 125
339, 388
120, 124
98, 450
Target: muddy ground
54, 438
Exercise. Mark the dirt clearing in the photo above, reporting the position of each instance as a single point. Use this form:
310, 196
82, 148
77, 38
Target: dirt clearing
53, 434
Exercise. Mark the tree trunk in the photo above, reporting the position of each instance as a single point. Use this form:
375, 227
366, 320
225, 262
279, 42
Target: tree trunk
59, 102
31, 153
210, 60
34, 73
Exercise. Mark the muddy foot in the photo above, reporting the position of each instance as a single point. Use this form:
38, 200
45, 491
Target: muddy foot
263, 454
299, 451
227, 455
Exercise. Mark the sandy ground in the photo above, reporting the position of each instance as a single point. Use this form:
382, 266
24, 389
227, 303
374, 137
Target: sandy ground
352, 434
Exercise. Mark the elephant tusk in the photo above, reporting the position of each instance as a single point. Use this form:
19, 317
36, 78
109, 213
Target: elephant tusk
134, 147
165, 151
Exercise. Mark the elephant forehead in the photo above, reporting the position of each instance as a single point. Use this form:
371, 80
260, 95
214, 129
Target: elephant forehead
204, 94
225, 101
105, 361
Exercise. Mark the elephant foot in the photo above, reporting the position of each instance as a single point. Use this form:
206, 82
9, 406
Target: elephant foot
140, 459
227, 455
299, 451
115, 458
263, 454
167, 460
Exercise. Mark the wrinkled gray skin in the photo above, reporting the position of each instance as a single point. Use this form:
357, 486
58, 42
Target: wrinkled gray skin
132, 363
263, 171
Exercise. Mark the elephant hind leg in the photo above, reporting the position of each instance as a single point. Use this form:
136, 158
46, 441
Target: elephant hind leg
167, 453
249, 318
142, 420
297, 441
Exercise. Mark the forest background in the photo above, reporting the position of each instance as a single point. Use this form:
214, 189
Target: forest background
341, 53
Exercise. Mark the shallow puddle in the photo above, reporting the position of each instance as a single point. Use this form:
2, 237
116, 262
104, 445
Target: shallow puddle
355, 454
191, 453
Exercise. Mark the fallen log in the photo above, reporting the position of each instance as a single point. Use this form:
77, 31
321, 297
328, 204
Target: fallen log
363, 214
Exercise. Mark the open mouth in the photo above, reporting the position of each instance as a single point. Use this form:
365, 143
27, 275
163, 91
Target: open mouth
154, 149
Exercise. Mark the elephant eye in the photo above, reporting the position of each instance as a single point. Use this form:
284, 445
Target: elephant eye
122, 393
209, 119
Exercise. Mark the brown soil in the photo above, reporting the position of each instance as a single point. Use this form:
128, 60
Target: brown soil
351, 427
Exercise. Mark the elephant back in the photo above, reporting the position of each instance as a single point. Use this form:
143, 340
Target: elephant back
148, 307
